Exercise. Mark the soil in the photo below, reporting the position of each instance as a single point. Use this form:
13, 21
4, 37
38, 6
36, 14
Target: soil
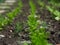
13, 39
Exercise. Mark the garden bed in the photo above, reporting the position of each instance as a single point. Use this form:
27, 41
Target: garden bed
14, 38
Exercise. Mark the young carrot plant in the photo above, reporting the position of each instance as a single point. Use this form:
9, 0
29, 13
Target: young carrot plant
38, 36
56, 13
18, 27
15, 12
41, 3
10, 16
3, 21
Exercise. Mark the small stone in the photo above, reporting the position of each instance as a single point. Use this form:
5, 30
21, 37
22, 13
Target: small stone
9, 36
2, 36
10, 30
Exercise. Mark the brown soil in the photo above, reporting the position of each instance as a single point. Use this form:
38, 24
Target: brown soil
10, 37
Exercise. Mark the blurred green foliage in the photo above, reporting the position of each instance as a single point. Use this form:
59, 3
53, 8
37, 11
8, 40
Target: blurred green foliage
38, 36
10, 16
18, 27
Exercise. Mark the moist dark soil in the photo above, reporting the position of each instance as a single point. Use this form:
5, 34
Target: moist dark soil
12, 39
